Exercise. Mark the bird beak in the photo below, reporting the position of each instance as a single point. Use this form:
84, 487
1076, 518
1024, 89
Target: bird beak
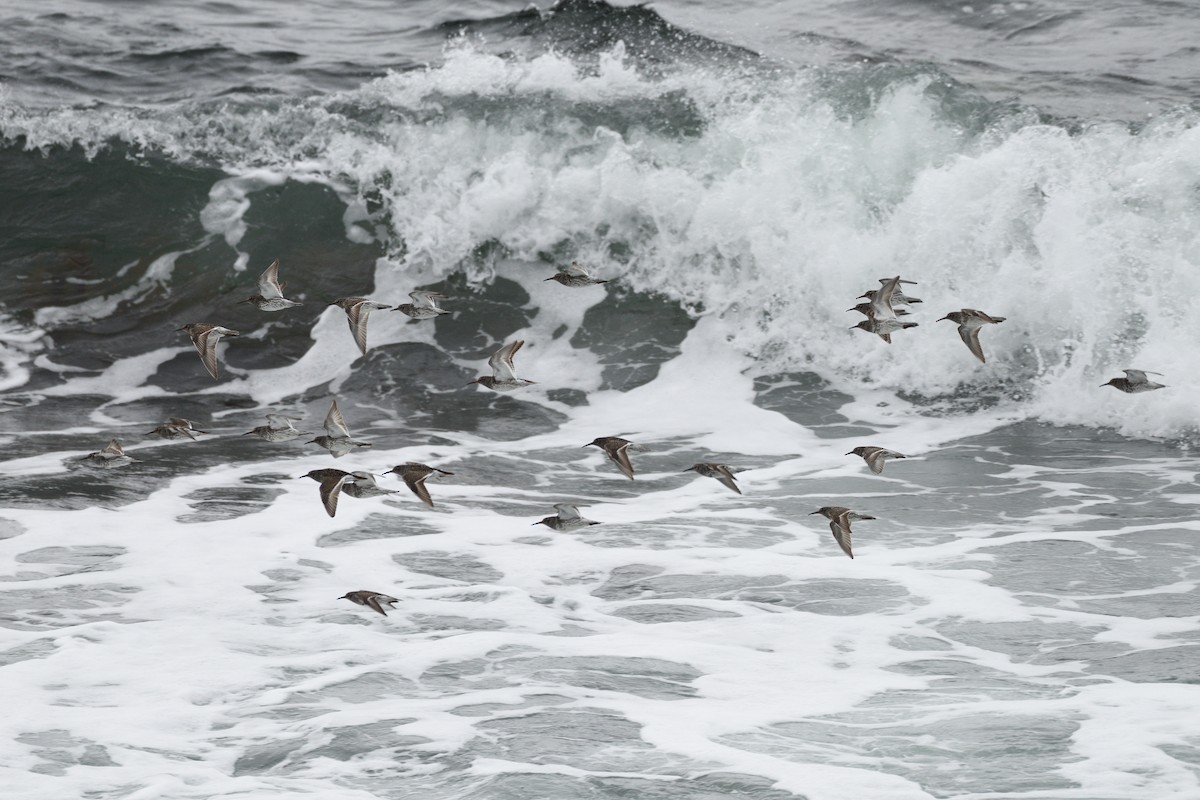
850, 453
180, 329
815, 512
939, 320
548, 279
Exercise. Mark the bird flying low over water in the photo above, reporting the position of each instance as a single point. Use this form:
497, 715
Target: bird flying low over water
111, 456
566, 518
575, 275
175, 428
205, 338
875, 456
278, 429
504, 377
1135, 382
372, 600
414, 476
358, 309
839, 522
424, 305
617, 450
337, 439
720, 472
270, 291
881, 316
969, 322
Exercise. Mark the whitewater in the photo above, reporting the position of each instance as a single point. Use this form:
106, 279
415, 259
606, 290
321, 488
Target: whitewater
1018, 622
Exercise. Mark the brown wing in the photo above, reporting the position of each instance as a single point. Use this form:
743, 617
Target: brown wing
725, 476
620, 457
415, 479
206, 346
358, 325
331, 489
840, 525
874, 459
970, 337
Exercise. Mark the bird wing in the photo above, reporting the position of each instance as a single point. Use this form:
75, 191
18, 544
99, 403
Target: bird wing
280, 421
874, 458
501, 361
620, 457
331, 488
881, 303
970, 337
567, 512
725, 476
113, 450
414, 477
840, 525
268, 282
1138, 375
358, 314
427, 299
335, 423
375, 602
206, 346
575, 270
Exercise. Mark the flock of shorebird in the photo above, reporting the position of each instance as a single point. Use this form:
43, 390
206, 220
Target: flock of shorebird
882, 309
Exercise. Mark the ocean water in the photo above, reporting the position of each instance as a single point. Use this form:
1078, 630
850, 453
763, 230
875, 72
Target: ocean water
1019, 622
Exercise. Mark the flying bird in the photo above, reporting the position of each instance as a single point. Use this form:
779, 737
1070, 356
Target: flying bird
358, 309
270, 291
617, 449
205, 338
504, 377
376, 601
1135, 382
414, 476
719, 471
875, 456
337, 439
969, 322
566, 518
424, 305
575, 275
839, 522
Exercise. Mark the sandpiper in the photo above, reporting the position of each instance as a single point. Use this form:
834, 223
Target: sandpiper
1135, 381
372, 600
414, 476
617, 449
278, 429
424, 305
338, 440
969, 322
176, 428
331, 481
875, 456
839, 522
270, 291
567, 518
362, 484
575, 275
721, 472
111, 456
358, 309
205, 338
504, 377
881, 317
898, 296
